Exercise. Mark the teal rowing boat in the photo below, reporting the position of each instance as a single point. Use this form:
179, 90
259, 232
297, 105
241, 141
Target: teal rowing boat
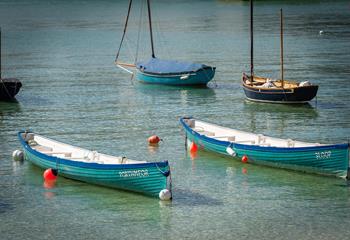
149, 178
325, 159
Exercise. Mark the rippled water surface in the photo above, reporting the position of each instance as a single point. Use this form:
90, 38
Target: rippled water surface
63, 52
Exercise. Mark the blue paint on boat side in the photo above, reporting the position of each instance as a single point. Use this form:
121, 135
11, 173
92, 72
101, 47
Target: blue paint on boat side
200, 77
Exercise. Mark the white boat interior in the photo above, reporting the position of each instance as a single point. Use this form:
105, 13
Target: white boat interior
62, 150
236, 136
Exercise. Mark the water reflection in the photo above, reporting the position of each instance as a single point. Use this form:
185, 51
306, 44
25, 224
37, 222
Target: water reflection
304, 110
17, 166
4, 206
8, 110
49, 184
9, 107
192, 95
153, 149
276, 118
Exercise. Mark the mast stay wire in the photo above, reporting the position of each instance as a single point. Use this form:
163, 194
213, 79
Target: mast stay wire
139, 32
160, 35
124, 31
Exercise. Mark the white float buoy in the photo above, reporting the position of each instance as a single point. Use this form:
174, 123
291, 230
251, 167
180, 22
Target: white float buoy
165, 195
321, 32
230, 151
17, 155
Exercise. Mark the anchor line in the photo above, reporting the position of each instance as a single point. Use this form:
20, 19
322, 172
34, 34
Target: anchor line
57, 164
166, 174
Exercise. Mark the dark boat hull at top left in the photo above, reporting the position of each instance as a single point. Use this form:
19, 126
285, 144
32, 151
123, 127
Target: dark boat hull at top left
9, 87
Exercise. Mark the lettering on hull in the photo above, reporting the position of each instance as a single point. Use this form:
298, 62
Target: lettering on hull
134, 173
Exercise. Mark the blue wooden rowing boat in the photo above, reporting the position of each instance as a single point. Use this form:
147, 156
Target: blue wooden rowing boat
326, 159
170, 72
148, 178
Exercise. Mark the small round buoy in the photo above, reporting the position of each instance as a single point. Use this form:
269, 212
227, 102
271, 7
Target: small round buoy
193, 147
165, 195
321, 32
153, 140
244, 159
231, 152
17, 155
50, 174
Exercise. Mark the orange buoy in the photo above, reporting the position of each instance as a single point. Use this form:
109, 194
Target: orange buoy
50, 174
244, 159
154, 139
193, 147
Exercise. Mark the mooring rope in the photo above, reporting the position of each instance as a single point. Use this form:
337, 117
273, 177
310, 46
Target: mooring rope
167, 173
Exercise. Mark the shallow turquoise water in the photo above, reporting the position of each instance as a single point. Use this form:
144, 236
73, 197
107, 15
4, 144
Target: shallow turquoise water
63, 52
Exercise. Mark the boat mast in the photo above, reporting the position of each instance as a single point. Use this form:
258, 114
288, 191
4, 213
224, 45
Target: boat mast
0, 53
282, 48
150, 26
251, 43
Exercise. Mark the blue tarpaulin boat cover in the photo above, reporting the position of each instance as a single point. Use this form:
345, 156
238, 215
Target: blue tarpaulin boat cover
158, 66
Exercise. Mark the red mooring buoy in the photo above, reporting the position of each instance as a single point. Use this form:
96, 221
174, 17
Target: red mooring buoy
193, 147
153, 140
244, 159
50, 174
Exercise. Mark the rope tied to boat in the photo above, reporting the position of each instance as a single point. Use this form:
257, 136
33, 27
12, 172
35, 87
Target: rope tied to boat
166, 173
56, 169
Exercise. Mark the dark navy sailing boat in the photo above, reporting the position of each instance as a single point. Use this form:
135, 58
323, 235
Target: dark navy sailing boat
9, 87
166, 72
263, 89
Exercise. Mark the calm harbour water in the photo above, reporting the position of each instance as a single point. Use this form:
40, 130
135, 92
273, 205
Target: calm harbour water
63, 52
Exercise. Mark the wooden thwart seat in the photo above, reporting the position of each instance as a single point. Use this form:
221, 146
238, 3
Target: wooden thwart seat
52, 153
229, 138
246, 141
